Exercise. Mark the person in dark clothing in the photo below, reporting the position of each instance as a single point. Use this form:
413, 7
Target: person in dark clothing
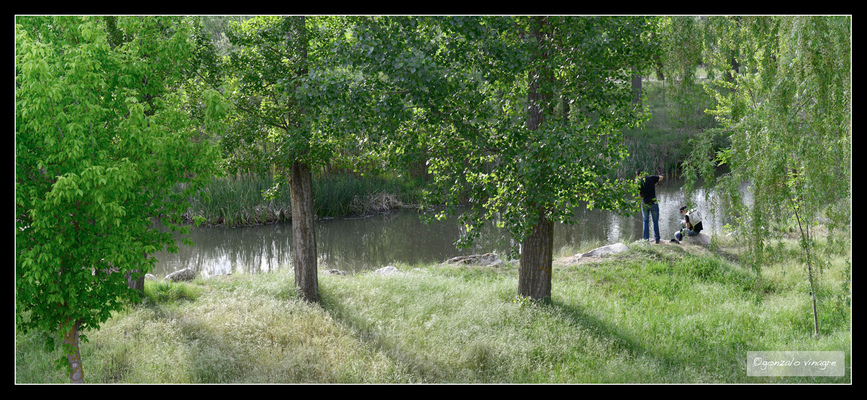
649, 206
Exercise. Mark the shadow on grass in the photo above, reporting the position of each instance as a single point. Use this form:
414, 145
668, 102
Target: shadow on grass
422, 368
685, 365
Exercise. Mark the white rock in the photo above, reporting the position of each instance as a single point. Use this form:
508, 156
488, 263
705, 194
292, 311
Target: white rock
700, 239
606, 250
389, 270
185, 274
335, 272
487, 259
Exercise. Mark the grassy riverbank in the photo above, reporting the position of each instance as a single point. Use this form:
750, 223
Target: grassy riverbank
655, 314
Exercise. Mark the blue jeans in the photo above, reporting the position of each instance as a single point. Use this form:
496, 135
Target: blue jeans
648, 211
684, 231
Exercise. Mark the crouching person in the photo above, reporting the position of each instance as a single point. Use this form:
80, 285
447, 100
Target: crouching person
689, 226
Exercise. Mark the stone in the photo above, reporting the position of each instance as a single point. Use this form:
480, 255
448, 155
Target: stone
150, 277
335, 272
486, 260
606, 250
700, 239
389, 270
185, 274
596, 253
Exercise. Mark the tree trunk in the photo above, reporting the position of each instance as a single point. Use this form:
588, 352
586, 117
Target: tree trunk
303, 232
301, 193
537, 249
534, 273
70, 341
135, 280
805, 243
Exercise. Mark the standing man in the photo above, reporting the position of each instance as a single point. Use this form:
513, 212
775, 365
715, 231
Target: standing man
649, 206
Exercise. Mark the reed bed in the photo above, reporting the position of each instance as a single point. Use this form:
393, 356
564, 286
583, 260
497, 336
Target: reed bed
239, 200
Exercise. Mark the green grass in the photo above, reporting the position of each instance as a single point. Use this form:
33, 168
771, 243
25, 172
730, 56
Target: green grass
655, 314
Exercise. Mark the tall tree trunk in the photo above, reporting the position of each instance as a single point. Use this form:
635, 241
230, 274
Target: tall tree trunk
301, 193
70, 340
534, 273
805, 243
537, 249
303, 232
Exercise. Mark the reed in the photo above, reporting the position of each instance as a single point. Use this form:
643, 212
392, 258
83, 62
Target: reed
239, 200
651, 158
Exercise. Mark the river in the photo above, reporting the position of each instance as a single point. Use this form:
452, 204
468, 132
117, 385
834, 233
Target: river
366, 243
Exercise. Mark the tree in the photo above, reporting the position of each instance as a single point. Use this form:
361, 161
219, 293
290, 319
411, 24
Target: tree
266, 77
570, 158
519, 117
106, 148
295, 97
784, 106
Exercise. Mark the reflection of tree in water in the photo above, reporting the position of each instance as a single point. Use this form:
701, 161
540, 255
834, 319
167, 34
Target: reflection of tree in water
375, 241
358, 244
220, 250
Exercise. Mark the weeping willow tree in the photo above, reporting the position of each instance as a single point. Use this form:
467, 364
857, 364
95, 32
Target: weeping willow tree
783, 102
683, 54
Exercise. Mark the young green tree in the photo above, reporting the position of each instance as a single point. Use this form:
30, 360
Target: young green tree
784, 104
519, 117
105, 148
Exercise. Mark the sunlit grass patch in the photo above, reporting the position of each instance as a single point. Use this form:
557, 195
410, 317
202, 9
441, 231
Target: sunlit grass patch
167, 291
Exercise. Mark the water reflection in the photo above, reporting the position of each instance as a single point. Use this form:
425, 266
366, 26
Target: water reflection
358, 244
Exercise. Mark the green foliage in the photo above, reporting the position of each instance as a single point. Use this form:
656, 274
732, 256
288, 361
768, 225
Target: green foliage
787, 115
292, 92
681, 46
466, 81
104, 139
784, 105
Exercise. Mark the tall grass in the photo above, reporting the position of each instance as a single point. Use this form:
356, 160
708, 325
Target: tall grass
239, 200
655, 314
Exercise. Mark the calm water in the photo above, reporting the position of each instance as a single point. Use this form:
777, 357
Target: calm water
360, 244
